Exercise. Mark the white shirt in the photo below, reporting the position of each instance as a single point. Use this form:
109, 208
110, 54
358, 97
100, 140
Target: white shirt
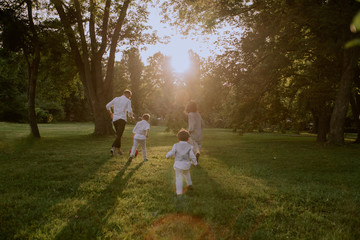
196, 125
140, 129
183, 152
121, 106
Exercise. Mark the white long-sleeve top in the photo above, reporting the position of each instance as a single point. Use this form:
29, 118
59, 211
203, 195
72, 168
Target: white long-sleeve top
183, 153
140, 129
122, 105
196, 125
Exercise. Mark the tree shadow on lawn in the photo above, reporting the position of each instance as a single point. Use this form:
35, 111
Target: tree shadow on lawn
91, 218
38, 176
306, 184
215, 209
232, 207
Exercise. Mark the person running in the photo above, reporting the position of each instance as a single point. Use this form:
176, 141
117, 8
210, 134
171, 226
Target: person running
121, 108
196, 125
140, 134
184, 157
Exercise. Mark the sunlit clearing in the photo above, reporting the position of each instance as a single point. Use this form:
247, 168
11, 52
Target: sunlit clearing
179, 226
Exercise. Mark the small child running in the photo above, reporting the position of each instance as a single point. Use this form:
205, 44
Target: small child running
140, 133
183, 153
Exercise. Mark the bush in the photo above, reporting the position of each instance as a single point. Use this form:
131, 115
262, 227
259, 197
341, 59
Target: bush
14, 109
176, 120
43, 116
55, 109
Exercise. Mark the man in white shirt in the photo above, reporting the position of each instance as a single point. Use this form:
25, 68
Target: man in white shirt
121, 107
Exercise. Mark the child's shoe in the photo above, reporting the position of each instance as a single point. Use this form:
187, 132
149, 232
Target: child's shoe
130, 158
112, 152
190, 187
145, 160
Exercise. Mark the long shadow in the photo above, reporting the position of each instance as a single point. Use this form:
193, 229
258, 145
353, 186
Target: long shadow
30, 184
228, 207
225, 206
90, 218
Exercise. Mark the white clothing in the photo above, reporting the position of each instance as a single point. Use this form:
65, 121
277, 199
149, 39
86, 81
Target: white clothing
122, 105
183, 152
196, 145
196, 125
140, 129
142, 142
179, 175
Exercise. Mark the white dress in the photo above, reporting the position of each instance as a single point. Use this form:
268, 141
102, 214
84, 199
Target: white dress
196, 125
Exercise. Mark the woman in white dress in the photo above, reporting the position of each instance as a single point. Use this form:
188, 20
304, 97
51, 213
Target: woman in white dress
196, 125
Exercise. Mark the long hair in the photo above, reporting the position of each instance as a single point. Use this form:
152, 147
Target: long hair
191, 107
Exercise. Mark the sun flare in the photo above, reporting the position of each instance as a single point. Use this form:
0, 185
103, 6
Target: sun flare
178, 50
180, 62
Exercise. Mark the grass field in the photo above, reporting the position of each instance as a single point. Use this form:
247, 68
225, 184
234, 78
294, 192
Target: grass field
255, 186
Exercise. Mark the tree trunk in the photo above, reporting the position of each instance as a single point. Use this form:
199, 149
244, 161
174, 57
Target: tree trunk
102, 120
355, 105
355, 108
33, 68
323, 125
31, 107
336, 135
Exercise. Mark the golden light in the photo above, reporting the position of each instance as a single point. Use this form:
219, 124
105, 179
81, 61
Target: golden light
178, 50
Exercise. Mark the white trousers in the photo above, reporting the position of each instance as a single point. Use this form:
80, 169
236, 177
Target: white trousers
142, 142
179, 175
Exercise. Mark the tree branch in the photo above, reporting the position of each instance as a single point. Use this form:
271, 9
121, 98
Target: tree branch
92, 28
82, 32
114, 41
105, 28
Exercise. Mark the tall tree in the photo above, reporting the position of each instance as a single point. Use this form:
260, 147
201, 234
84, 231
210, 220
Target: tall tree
21, 32
94, 30
192, 76
284, 44
350, 63
135, 67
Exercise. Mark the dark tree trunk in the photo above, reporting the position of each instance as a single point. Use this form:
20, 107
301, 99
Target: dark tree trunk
355, 108
350, 61
31, 100
102, 120
33, 68
323, 124
355, 105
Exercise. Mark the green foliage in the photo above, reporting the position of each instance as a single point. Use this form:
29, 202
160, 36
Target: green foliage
66, 186
43, 116
12, 87
135, 68
176, 119
283, 59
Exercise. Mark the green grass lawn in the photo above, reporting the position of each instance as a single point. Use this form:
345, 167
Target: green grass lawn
255, 186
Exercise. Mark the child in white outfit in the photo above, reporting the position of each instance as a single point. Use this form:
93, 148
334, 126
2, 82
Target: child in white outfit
184, 156
140, 133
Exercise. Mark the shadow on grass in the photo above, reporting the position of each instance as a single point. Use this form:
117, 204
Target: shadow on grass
37, 174
91, 218
211, 211
230, 208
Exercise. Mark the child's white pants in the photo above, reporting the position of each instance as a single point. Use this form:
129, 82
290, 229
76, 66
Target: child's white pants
142, 142
179, 175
